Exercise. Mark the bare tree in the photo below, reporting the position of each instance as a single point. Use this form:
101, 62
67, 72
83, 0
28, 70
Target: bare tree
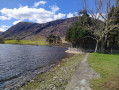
101, 30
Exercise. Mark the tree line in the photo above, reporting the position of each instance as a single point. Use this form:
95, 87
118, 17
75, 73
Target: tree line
1, 40
52, 39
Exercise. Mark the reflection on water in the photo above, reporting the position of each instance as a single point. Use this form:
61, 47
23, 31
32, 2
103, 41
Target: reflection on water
18, 60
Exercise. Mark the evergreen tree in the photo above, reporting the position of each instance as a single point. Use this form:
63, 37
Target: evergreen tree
1, 40
52, 39
80, 29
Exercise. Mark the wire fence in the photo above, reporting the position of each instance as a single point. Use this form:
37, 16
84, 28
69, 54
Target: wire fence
79, 49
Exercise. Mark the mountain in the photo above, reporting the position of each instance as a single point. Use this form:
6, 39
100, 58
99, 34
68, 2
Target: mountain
0, 33
27, 30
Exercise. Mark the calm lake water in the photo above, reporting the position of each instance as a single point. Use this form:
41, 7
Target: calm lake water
19, 63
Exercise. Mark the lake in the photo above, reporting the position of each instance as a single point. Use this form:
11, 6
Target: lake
20, 63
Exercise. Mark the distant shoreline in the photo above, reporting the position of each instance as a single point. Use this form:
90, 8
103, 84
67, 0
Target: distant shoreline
36, 43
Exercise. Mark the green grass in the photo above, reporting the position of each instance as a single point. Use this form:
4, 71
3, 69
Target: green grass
107, 65
34, 41
57, 77
26, 42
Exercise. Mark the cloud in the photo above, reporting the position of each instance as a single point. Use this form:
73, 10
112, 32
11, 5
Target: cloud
25, 13
14, 23
39, 15
4, 18
39, 3
59, 16
76, 13
4, 28
70, 15
98, 16
54, 8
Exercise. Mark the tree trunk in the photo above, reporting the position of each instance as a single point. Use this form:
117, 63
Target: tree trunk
96, 48
103, 43
102, 46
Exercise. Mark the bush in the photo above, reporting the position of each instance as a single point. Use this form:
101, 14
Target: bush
52, 39
1, 40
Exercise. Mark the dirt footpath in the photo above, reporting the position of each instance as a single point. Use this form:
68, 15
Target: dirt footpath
81, 78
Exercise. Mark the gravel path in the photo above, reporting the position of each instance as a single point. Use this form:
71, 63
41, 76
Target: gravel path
81, 78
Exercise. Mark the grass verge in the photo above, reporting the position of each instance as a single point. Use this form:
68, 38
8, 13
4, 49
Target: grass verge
56, 78
107, 65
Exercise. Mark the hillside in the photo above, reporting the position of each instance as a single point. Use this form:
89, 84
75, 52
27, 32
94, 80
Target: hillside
0, 32
27, 30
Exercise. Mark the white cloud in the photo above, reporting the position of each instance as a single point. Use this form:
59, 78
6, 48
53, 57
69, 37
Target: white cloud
70, 15
76, 13
39, 15
14, 23
54, 8
39, 3
59, 16
4, 18
4, 28
98, 16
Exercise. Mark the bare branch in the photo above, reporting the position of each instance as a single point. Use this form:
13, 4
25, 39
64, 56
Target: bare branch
90, 37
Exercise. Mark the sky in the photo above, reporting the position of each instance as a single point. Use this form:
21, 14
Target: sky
38, 11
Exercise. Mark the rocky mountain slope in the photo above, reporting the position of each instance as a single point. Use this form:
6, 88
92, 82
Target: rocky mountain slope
27, 30
0, 32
